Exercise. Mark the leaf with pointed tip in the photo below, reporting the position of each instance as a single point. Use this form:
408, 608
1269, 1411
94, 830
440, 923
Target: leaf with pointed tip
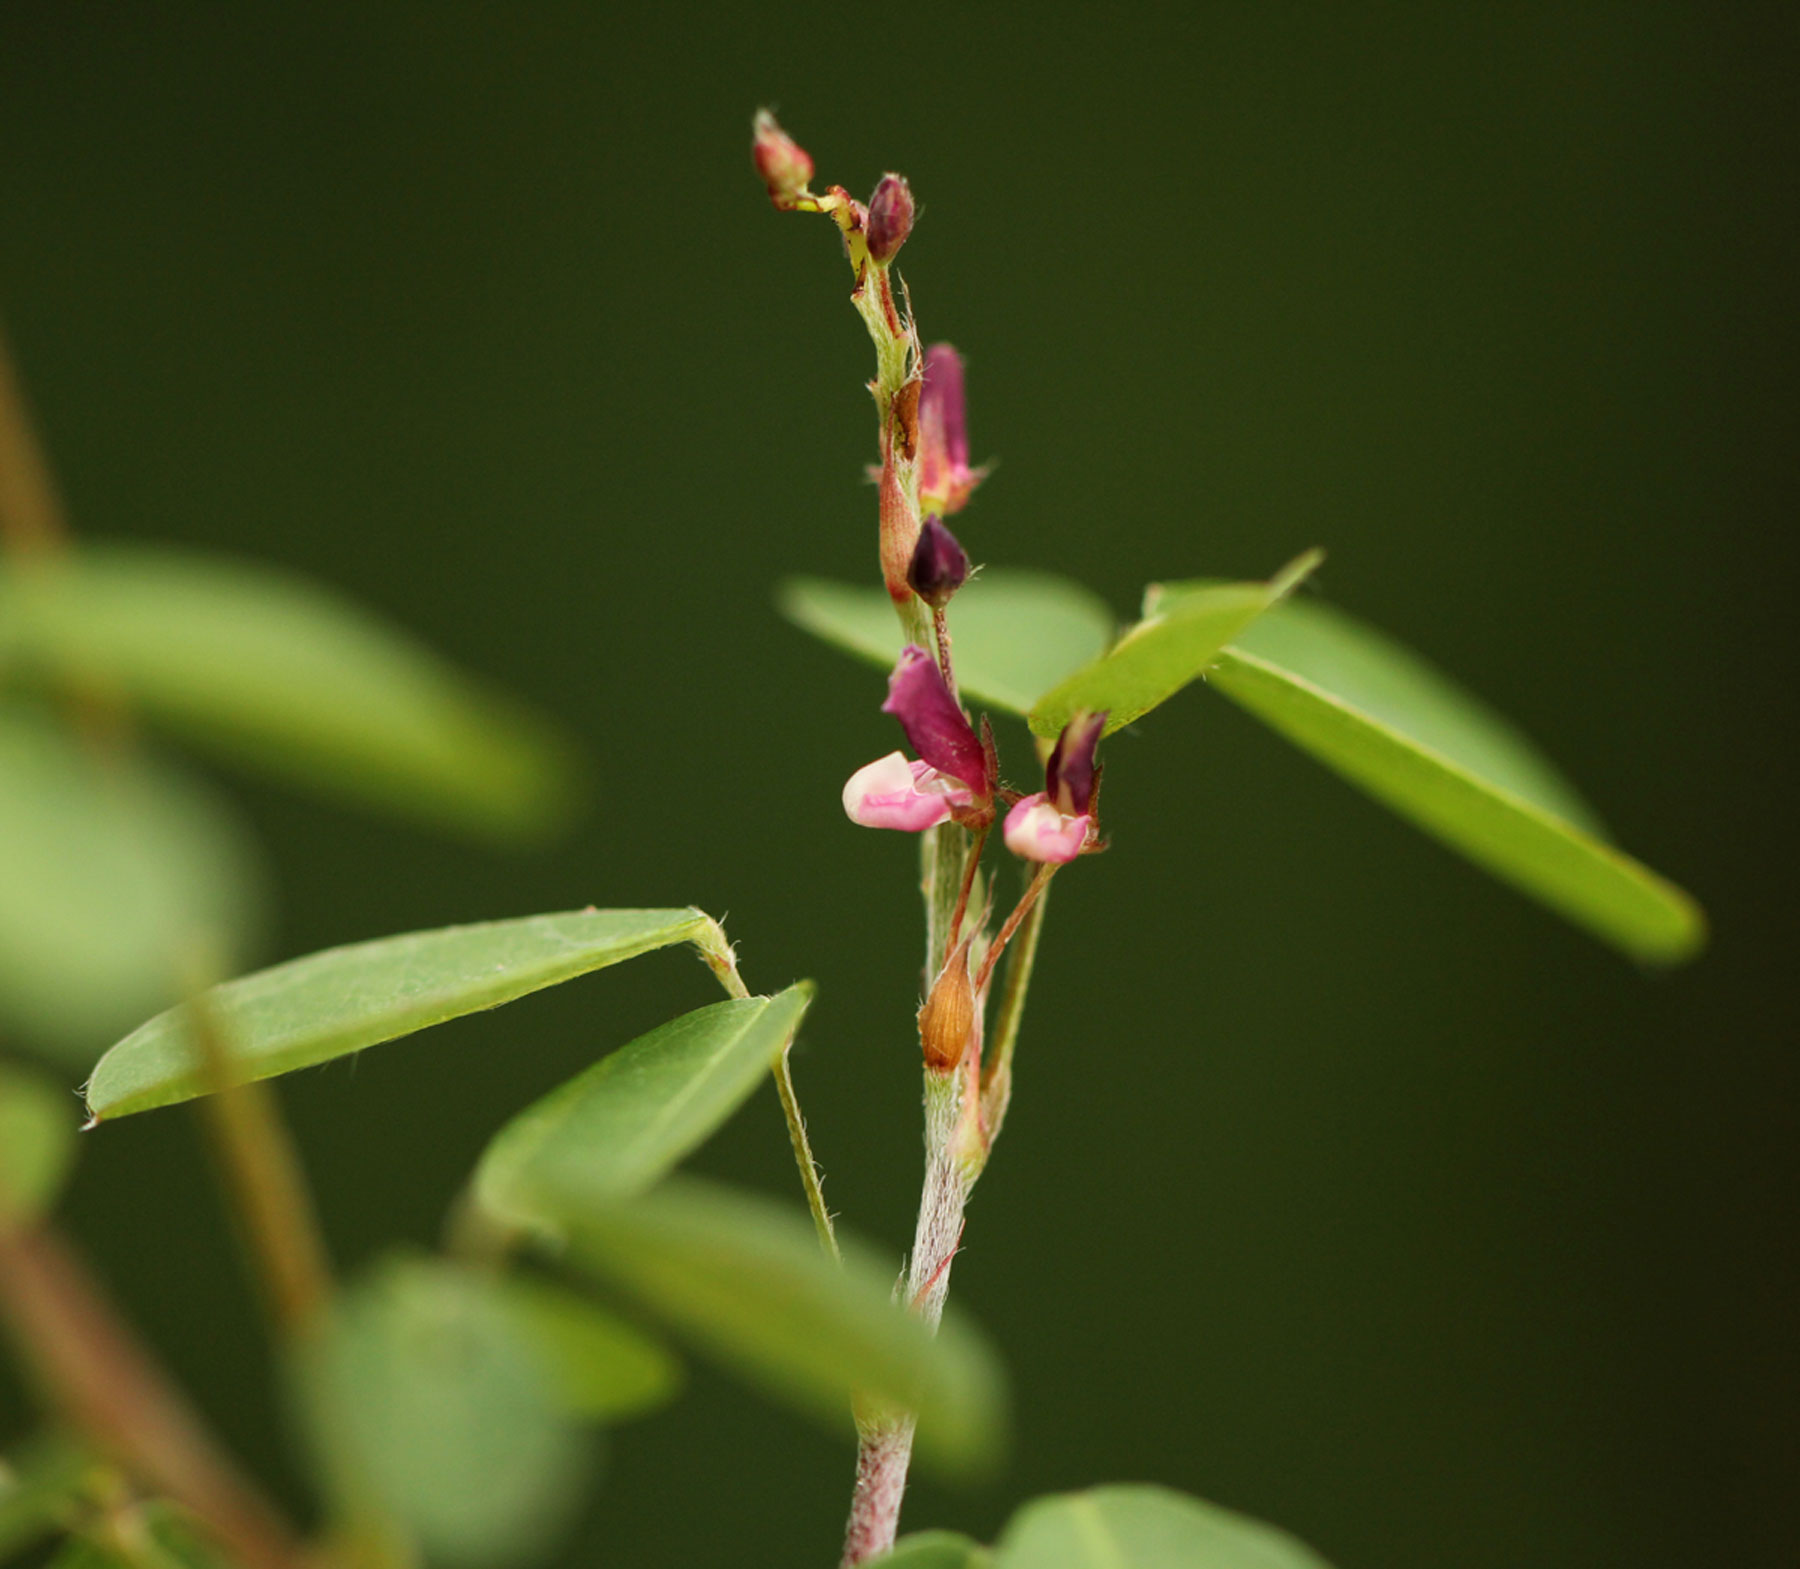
37, 1141
934, 1550
271, 669
1015, 633
600, 1367
114, 872
627, 1120
746, 1281
1166, 651
1143, 1527
336, 1002
435, 1403
1380, 716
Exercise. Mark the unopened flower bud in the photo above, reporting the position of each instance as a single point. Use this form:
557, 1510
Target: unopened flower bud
890, 218
939, 567
945, 479
947, 1021
785, 166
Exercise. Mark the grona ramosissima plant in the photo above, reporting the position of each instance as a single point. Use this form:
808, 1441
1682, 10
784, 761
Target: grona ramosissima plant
449, 1401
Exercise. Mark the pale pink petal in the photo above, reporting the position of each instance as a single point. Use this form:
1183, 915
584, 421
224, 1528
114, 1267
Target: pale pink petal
1038, 832
887, 794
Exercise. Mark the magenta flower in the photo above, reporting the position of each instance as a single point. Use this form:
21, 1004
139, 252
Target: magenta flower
955, 771
1057, 824
945, 479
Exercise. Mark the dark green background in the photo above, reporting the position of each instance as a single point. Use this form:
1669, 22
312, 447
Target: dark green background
1342, 1185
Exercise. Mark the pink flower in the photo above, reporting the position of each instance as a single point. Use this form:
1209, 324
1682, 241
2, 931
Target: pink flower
1057, 823
945, 479
893, 793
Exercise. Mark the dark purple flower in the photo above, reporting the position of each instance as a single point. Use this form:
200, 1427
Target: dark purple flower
1070, 774
939, 567
945, 479
1057, 824
937, 727
890, 218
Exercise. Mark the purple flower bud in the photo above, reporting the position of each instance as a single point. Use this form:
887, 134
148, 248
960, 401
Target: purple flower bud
893, 793
938, 729
939, 567
890, 218
1038, 832
945, 479
1070, 774
785, 166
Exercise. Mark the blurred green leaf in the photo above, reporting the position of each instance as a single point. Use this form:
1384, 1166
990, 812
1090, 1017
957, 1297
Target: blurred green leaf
116, 873
441, 1409
38, 1119
934, 1550
41, 1484
1015, 633
623, 1123
271, 669
1142, 1527
332, 1003
747, 1282
1155, 659
1378, 715
153, 1535
600, 1367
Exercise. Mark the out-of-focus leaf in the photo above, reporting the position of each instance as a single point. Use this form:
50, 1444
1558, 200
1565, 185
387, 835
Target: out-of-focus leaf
1141, 1527
1381, 717
1164, 652
153, 1535
41, 1485
37, 1143
441, 1409
332, 1003
627, 1120
1015, 633
747, 1282
270, 668
600, 1367
934, 1550
116, 872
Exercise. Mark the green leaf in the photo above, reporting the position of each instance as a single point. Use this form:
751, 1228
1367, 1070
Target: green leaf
747, 1282
600, 1367
1382, 678
42, 1487
435, 1404
1164, 652
37, 1141
116, 873
627, 1120
332, 1003
271, 669
934, 1550
1015, 633
1385, 720
1141, 1527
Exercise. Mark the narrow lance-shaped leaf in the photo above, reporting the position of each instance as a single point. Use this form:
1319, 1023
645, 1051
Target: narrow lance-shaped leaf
746, 1281
37, 1142
336, 1002
1143, 1527
627, 1120
266, 667
114, 871
1164, 652
1384, 719
1015, 633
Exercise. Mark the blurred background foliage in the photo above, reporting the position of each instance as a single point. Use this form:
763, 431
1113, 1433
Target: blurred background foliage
1342, 1185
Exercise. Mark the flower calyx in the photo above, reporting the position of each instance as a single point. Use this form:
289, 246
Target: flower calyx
1060, 822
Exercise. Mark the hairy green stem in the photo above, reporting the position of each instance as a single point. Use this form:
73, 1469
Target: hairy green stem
722, 961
